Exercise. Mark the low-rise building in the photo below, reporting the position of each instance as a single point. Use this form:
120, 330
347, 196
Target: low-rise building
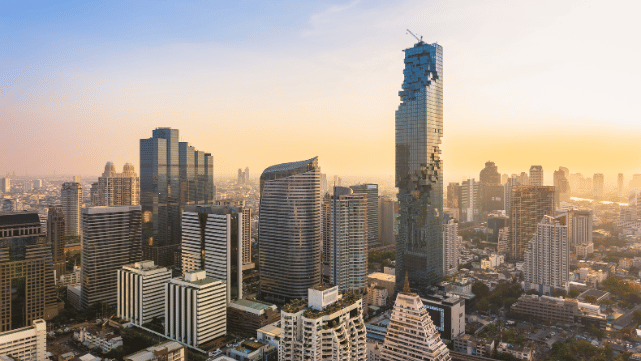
584, 250
72, 278
377, 296
26, 343
248, 315
519, 352
374, 350
170, 351
559, 310
74, 294
253, 351
472, 345
387, 281
270, 334
492, 261
448, 315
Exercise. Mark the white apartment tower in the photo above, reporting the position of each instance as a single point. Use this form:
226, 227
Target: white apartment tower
25, 344
212, 240
141, 291
580, 227
330, 328
547, 257
451, 245
71, 198
469, 200
195, 308
411, 335
345, 235
118, 189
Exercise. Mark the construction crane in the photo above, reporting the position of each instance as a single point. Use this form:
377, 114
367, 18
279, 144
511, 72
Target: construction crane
419, 40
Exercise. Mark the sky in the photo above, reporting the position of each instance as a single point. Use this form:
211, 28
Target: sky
554, 83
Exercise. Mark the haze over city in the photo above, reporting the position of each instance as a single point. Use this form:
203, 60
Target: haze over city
546, 82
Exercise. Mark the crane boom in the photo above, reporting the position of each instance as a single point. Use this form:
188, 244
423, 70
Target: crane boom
416, 37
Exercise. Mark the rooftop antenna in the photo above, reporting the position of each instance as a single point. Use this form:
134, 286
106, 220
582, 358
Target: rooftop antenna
416, 37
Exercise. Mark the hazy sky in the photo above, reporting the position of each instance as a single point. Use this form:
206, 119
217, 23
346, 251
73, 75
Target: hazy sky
260, 83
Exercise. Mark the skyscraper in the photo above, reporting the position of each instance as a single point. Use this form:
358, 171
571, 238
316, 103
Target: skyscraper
55, 237
28, 290
620, 185
110, 240
172, 174
419, 170
118, 189
580, 227
212, 241
451, 245
490, 191
71, 197
239, 204
562, 186
547, 259
411, 335
372, 211
386, 220
289, 230
469, 201
345, 239
597, 183
529, 204
536, 175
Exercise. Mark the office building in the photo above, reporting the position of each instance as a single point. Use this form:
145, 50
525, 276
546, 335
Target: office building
55, 238
451, 246
166, 351
71, 198
529, 204
411, 334
212, 241
118, 189
447, 314
141, 291
507, 193
495, 223
523, 179
469, 206
239, 204
372, 211
331, 327
562, 186
387, 212
620, 187
547, 259
172, 174
490, 174
195, 308
5, 185
26, 266
490, 191
580, 228
247, 316
289, 230
345, 218
419, 170
110, 240
25, 344
536, 175
597, 184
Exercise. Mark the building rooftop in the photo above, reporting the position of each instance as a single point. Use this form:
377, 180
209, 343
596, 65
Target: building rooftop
382, 276
290, 166
596, 293
254, 305
18, 218
272, 329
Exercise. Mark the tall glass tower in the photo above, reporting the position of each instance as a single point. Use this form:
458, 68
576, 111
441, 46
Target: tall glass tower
289, 230
419, 170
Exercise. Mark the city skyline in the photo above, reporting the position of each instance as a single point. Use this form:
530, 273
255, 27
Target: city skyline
195, 78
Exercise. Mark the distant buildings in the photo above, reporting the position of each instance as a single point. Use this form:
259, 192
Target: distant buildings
331, 327
71, 198
27, 343
529, 204
469, 206
536, 176
561, 185
5, 185
419, 171
195, 308
451, 246
213, 241
620, 186
55, 237
547, 259
246, 223
580, 228
140, 290
110, 240
387, 212
372, 211
290, 230
345, 222
417, 340
597, 184
118, 189
26, 266
490, 190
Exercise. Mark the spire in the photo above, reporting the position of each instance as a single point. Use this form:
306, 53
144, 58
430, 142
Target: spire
406, 286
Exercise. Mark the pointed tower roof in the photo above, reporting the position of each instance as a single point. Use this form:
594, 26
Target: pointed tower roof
406, 286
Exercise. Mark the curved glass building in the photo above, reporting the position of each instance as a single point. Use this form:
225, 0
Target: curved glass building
419, 170
289, 230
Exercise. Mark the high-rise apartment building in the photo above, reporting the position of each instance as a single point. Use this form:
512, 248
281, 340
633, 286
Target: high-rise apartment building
195, 308
529, 204
172, 174
212, 241
110, 239
289, 230
345, 221
547, 259
25, 344
26, 272
329, 328
580, 227
387, 211
536, 175
598, 183
620, 186
469, 207
372, 211
141, 292
71, 199
118, 189
411, 334
451, 245
419, 170
55, 238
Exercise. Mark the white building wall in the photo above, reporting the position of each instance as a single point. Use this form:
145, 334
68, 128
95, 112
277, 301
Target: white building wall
27, 343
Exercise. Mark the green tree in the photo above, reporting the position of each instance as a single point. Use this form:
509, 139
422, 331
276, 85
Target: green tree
480, 289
